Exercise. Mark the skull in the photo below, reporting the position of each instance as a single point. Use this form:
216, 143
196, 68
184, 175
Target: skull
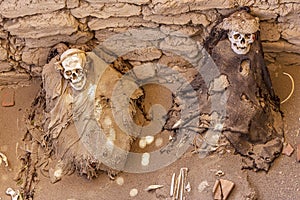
240, 42
73, 61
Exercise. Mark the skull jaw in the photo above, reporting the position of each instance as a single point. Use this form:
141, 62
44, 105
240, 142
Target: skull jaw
79, 84
241, 50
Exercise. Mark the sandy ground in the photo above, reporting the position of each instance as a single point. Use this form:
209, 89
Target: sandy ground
281, 182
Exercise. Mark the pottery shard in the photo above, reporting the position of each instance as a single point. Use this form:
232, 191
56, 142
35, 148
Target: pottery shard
105, 11
8, 97
42, 25
269, 31
287, 150
17, 8
222, 189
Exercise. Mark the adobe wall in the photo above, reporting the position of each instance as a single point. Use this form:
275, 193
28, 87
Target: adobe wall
29, 28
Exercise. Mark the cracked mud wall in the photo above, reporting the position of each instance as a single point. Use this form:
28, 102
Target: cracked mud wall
29, 29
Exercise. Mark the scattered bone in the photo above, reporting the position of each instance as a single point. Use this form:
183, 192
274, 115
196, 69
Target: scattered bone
172, 185
120, 180
177, 124
202, 186
3, 158
188, 187
133, 192
287, 150
153, 187
145, 159
292, 90
179, 186
14, 194
222, 189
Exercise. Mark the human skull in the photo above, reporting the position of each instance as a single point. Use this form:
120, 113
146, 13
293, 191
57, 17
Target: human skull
240, 42
73, 71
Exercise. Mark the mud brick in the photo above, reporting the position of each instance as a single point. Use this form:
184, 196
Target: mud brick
288, 150
8, 97
222, 189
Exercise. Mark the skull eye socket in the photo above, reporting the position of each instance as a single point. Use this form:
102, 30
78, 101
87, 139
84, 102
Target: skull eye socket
78, 71
236, 36
68, 72
248, 36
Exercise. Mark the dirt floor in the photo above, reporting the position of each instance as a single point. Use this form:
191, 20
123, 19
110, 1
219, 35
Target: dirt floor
281, 182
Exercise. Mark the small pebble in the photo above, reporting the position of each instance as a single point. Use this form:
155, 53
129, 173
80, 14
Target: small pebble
133, 192
142, 143
145, 159
158, 142
219, 173
107, 121
120, 180
149, 139
58, 172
